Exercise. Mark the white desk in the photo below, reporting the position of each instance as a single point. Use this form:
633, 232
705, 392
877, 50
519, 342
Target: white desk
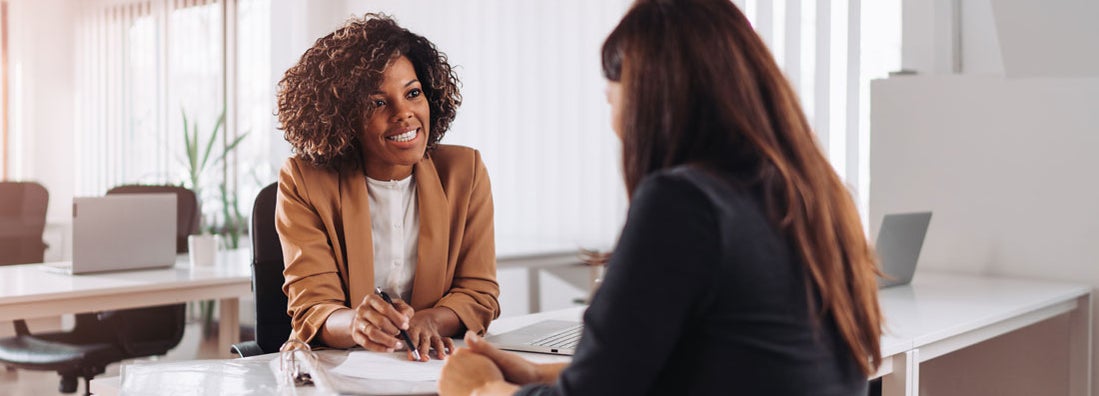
941, 313
534, 255
30, 291
253, 375
936, 315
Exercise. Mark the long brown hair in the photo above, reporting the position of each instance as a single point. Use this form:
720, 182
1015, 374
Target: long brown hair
700, 87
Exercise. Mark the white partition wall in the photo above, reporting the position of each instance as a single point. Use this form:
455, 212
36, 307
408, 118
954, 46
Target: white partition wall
1009, 169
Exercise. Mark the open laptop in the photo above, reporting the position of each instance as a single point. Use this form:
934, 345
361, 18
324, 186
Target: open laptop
122, 232
558, 337
899, 242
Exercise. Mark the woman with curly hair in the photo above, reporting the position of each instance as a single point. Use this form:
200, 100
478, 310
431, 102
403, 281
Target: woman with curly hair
371, 199
742, 267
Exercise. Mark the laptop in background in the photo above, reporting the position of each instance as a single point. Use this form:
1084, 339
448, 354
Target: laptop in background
900, 239
122, 232
558, 337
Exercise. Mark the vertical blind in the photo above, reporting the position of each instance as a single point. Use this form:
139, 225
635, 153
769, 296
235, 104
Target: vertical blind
817, 43
143, 65
534, 103
4, 79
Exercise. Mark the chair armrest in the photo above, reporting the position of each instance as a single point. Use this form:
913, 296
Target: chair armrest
21, 327
246, 349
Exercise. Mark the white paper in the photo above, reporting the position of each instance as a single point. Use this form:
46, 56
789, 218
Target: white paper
387, 366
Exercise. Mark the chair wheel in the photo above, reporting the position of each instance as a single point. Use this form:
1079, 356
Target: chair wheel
68, 384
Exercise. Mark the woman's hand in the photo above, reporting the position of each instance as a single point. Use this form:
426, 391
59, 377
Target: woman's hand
376, 324
466, 372
429, 329
515, 369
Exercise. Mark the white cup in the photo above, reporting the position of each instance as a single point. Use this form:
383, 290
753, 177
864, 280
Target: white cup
203, 249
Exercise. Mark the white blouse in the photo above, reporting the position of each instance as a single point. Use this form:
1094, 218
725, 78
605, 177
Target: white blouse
395, 226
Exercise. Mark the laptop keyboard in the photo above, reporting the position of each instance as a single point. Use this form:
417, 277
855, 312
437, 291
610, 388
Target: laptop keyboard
564, 339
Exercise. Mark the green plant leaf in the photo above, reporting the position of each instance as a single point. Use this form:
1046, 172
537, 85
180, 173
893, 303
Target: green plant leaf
229, 148
213, 139
189, 145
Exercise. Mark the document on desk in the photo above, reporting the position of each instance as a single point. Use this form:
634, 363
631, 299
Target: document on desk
357, 372
387, 366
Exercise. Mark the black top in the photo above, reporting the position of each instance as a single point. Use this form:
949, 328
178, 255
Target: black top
703, 295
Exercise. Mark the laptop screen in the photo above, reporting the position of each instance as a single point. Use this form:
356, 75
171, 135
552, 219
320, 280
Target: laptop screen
900, 240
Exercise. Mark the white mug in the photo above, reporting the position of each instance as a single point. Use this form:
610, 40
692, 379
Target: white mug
203, 249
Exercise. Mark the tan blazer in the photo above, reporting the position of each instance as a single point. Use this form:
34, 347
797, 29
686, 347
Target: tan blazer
323, 220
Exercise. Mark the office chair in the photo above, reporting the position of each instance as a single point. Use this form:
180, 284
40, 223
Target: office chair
101, 338
22, 221
272, 321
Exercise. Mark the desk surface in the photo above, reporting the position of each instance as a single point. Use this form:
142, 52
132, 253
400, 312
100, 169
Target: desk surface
937, 313
253, 375
30, 291
939, 306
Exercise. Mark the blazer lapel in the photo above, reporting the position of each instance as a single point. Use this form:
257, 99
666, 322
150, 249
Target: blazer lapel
430, 279
357, 239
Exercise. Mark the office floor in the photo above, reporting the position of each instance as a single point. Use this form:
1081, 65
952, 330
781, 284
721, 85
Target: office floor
34, 383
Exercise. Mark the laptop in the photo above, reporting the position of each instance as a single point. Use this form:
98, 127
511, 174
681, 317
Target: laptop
121, 232
558, 337
899, 242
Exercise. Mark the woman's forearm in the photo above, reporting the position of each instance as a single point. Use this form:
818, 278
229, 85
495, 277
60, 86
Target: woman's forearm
446, 321
548, 372
336, 332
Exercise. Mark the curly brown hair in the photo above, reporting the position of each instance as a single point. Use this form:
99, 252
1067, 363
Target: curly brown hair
323, 99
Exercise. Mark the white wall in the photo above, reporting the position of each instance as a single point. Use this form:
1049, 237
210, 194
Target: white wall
1048, 38
295, 25
1006, 165
533, 104
42, 100
1013, 38
997, 137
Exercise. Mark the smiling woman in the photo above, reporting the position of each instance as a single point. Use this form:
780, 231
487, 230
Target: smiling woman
370, 198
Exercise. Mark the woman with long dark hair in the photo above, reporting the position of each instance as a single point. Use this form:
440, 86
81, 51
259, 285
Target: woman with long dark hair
742, 267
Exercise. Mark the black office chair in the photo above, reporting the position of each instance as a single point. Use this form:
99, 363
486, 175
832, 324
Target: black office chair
22, 221
272, 322
101, 338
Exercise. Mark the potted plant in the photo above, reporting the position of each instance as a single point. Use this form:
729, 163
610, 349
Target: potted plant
200, 157
230, 222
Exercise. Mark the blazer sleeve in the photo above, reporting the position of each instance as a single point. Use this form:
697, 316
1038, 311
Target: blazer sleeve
312, 285
474, 292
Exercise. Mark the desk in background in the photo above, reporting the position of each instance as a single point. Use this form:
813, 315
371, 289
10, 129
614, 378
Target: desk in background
940, 313
30, 291
535, 256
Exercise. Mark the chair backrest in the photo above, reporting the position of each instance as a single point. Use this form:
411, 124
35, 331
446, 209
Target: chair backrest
272, 321
187, 209
22, 222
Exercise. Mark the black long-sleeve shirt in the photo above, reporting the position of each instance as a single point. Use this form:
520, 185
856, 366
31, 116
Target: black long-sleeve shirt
704, 295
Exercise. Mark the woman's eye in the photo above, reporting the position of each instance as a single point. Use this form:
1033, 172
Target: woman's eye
415, 92
379, 103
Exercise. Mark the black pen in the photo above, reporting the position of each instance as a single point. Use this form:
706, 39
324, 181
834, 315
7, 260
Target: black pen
404, 334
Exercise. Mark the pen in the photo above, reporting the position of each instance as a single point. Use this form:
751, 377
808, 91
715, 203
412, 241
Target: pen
404, 334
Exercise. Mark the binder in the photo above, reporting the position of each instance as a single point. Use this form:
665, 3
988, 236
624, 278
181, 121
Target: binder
299, 366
